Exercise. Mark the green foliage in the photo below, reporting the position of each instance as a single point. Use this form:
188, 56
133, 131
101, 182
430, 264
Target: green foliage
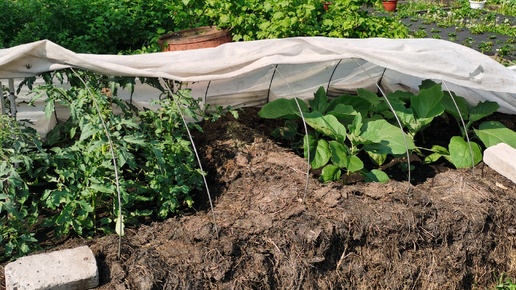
99, 26
350, 124
102, 26
71, 178
22, 163
424, 107
505, 283
493, 132
156, 163
342, 129
251, 20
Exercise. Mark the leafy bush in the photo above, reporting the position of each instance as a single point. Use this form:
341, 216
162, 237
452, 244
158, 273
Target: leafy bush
156, 163
101, 26
343, 127
71, 179
251, 20
13, 21
350, 124
22, 164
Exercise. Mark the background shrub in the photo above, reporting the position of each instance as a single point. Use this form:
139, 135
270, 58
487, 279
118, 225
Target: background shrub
132, 26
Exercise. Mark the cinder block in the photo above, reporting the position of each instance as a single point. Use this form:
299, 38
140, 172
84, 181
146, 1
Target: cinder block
60, 270
502, 158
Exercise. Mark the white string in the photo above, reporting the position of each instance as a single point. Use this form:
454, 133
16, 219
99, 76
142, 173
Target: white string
165, 85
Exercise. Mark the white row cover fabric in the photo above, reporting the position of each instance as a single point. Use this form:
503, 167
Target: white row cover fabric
256, 72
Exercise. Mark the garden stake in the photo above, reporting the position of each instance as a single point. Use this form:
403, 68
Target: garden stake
465, 129
306, 130
2, 104
120, 222
12, 98
395, 116
167, 87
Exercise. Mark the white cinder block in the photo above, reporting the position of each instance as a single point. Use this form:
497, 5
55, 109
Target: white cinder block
502, 158
60, 270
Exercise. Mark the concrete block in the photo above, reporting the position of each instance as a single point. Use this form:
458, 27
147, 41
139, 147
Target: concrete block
502, 158
59, 270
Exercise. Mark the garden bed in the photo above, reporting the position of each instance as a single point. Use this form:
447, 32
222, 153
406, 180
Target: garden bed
454, 230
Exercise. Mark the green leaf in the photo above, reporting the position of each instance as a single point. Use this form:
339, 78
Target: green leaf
319, 151
439, 152
493, 132
378, 159
340, 156
376, 175
482, 110
450, 108
406, 117
427, 104
88, 130
49, 109
98, 187
460, 154
371, 97
133, 139
330, 173
320, 101
344, 113
327, 125
386, 138
399, 96
427, 84
360, 104
283, 109
288, 131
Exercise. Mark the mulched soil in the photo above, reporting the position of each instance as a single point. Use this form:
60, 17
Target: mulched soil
455, 230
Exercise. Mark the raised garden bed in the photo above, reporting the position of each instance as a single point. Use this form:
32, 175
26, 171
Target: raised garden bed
453, 230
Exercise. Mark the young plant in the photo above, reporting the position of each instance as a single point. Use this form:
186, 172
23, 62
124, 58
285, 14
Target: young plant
459, 151
342, 128
157, 166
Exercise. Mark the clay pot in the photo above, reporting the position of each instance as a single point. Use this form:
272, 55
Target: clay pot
195, 38
390, 5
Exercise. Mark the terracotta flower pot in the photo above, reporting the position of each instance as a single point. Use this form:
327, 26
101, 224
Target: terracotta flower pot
390, 5
195, 38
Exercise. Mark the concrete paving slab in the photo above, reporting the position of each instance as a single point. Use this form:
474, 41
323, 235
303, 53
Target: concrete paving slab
502, 158
59, 270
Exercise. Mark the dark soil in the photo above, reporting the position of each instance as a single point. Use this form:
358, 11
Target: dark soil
492, 44
455, 230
